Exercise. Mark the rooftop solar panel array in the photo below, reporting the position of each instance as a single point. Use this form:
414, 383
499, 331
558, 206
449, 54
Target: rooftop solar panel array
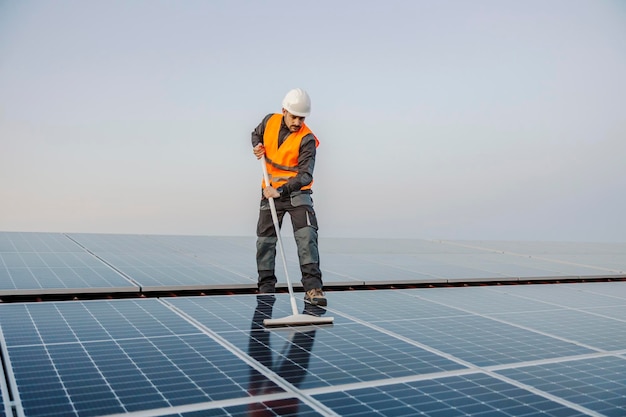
489, 350
508, 350
49, 263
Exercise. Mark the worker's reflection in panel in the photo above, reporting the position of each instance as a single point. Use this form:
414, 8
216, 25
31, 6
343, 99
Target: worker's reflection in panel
291, 364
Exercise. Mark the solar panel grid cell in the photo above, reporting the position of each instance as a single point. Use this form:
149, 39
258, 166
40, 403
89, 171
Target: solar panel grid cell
593, 331
157, 262
598, 384
485, 342
474, 395
52, 263
24, 242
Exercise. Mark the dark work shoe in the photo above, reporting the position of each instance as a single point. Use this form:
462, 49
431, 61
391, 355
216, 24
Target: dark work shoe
315, 297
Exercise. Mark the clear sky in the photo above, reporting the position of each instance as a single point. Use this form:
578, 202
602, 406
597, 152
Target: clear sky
437, 119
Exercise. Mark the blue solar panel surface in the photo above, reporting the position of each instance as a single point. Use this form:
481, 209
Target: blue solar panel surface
598, 384
56, 262
170, 262
391, 352
101, 357
495, 350
40, 263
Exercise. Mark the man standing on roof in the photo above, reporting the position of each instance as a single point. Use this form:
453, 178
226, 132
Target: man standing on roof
289, 147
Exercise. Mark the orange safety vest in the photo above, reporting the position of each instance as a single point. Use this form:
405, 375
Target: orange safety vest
282, 162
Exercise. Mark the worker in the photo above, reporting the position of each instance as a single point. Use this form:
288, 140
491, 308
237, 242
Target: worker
289, 147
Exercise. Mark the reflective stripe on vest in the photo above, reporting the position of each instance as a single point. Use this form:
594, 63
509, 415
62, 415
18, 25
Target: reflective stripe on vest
282, 162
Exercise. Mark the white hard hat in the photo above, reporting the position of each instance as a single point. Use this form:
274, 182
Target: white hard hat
297, 102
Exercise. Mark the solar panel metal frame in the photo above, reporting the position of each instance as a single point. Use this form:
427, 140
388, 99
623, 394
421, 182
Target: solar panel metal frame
6, 401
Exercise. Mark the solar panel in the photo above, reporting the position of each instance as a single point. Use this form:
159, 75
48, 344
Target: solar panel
598, 384
446, 351
223, 261
467, 395
557, 350
25, 242
161, 263
49, 263
354, 354
594, 258
54, 263
388, 260
105, 357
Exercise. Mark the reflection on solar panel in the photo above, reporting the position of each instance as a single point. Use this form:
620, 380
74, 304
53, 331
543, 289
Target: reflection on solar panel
495, 350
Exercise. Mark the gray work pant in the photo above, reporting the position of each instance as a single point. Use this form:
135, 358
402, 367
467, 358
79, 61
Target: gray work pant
304, 222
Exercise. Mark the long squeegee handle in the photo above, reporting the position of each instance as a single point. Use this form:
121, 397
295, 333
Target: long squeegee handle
292, 297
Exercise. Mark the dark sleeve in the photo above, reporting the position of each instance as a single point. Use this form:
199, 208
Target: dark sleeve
257, 133
306, 164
